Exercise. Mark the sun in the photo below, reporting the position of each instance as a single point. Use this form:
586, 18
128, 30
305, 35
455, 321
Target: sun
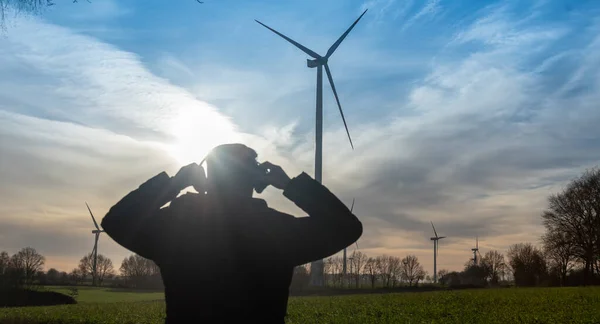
196, 130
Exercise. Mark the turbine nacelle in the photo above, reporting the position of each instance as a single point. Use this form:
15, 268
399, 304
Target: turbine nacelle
316, 62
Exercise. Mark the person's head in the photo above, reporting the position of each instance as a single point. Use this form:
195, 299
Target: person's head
231, 170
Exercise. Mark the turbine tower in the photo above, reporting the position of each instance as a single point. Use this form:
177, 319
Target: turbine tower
318, 61
435, 240
476, 251
345, 258
97, 233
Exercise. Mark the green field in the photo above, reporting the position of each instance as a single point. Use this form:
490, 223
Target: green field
108, 295
514, 305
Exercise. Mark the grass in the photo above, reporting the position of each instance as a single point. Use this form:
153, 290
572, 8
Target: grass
535, 305
109, 295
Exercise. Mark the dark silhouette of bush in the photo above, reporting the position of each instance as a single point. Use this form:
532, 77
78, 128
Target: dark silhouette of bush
15, 297
459, 286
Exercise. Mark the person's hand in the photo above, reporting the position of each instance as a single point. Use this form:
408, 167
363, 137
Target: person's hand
275, 176
190, 175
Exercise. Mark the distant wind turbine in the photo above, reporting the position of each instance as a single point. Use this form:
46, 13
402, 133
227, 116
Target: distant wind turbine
97, 233
345, 259
475, 250
319, 62
435, 240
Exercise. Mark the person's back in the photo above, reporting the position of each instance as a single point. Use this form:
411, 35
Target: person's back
225, 257
212, 270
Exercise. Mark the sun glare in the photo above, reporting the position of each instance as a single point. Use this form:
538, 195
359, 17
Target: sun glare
197, 130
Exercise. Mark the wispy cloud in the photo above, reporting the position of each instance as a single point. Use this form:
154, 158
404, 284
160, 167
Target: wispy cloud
382, 11
97, 10
484, 145
474, 143
428, 11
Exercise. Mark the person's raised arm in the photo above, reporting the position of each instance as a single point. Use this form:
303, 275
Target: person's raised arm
137, 218
329, 227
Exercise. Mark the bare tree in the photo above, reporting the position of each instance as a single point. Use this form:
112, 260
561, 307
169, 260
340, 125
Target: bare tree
381, 264
28, 262
301, 277
560, 253
5, 278
4, 262
411, 269
333, 266
76, 276
441, 276
371, 271
396, 269
138, 266
52, 276
328, 271
494, 264
29, 7
358, 260
575, 212
140, 271
389, 266
104, 268
338, 269
20, 6
421, 275
86, 265
527, 263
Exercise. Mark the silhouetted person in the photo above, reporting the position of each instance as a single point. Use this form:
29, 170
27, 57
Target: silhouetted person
224, 255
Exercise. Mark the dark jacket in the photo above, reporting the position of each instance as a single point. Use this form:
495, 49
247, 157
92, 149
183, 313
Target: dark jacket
223, 261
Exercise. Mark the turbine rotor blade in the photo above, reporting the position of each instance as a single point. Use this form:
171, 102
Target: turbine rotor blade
339, 41
300, 46
434, 232
356, 245
95, 224
338, 101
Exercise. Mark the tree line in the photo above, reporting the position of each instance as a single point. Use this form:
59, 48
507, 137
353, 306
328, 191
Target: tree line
569, 255
361, 270
25, 269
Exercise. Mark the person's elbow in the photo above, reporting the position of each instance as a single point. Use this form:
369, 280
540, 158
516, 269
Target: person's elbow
112, 224
107, 225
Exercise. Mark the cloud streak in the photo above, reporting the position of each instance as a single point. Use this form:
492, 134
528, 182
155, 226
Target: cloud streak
429, 10
474, 141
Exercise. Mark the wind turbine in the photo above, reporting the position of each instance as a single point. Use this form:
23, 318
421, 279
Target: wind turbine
345, 262
435, 240
97, 233
476, 251
319, 62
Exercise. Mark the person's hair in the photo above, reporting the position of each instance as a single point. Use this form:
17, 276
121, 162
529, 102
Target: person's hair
230, 165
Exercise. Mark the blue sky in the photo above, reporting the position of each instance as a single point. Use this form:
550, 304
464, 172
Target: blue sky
464, 113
